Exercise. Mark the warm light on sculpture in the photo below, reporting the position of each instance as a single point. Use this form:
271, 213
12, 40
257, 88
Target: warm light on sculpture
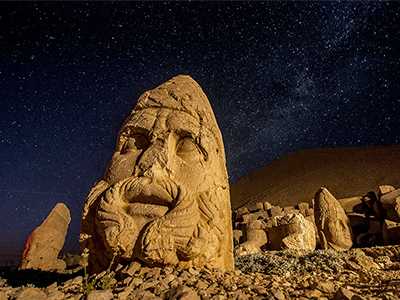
164, 198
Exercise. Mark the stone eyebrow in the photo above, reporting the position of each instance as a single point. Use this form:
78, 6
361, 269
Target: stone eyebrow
132, 129
186, 133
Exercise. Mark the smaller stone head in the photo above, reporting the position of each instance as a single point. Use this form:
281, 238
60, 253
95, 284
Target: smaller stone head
332, 222
164, 198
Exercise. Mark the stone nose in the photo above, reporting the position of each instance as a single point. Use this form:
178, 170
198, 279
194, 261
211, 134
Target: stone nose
154, 159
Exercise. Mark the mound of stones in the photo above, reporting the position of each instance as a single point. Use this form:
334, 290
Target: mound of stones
325, 222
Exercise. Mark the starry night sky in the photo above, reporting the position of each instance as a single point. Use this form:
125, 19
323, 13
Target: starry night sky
280, 77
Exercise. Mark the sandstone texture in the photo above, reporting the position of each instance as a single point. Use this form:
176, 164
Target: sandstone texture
44, 244
364, 274
292, 231
333, 225
264, 227
323, 223
164, 198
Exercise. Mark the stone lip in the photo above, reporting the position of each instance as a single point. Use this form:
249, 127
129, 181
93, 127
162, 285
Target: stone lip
346, 172
153, 193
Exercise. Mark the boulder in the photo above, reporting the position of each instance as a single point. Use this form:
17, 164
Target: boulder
256, 237
292, 231
391, 232
387, 199
384, 189
44, 244
332, 222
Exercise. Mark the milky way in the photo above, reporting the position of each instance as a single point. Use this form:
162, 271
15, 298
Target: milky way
280, 77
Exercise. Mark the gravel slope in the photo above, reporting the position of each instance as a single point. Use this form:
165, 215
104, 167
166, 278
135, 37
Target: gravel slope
296, 177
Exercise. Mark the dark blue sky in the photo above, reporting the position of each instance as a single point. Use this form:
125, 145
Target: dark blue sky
280, 77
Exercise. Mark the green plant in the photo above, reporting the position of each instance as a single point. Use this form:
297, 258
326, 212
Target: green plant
105, 281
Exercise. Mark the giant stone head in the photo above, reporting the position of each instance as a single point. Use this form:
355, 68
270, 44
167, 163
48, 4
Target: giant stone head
164, 198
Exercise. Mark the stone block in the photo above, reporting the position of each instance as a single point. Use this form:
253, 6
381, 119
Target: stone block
267, 205
389, 198
237, 236
260, 206
275, 211
241, 211
391, 232
384, 189
303, 206
291, 232
289, 210
309, 212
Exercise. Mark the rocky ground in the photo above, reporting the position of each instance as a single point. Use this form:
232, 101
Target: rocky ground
368, 273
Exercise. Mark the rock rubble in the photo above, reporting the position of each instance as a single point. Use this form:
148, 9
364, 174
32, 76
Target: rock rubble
364, 273
323, 223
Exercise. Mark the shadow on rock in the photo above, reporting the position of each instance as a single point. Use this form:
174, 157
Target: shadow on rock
17, 277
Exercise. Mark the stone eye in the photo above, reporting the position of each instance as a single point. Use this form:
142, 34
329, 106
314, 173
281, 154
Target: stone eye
186, 145
135, 142
141, 141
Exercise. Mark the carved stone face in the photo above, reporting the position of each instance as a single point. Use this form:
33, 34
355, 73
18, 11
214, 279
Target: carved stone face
164, 198
332, 222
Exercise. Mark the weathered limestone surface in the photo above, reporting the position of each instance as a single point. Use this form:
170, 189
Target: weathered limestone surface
391, 232
164, 198
332, 222
256, 237
292, 231
46, 241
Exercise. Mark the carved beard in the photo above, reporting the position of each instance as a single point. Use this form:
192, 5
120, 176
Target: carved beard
158, 221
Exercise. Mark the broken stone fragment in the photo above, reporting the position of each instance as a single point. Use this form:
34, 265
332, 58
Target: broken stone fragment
391, 232
267, 205
309, 212
389, 198
260, 206
254, 207
184, 293
274, 211
345, 294
292, 231
332, 222
288, 209
392, 212
30, 293
312, 221
384, 189
259, 215
237, 236
45, 242
303, 206
241, 211
363, 260
256, 237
